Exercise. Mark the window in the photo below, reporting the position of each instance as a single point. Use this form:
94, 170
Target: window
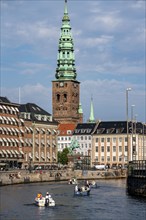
126, 148
58, 98
96, 140
65, 97
108, 158
102, 139
108, 148
102, 149
108, 139
96, 159
114, 140
120, 148
114, 158
102, 159
120, 139
96, 149
114, 148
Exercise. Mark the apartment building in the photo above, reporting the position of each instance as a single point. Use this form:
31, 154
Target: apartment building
40, 136
28, 135
83, 134
110, 145
65, 132
11, 134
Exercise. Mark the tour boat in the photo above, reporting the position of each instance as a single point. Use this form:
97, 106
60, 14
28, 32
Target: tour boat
93, 184
82, 191
44, 202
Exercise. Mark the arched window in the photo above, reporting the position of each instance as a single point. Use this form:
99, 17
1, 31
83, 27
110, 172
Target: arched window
65, 97
58, 98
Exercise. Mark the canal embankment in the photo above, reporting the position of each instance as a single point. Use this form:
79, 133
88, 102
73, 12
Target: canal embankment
25, 176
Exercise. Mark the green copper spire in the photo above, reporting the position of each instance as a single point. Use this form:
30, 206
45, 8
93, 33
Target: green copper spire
65, 61
91, 119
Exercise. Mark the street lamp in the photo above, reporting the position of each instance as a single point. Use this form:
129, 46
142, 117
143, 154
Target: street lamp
132, 107
127, 90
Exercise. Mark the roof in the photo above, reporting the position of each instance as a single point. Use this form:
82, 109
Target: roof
84, 128
4, 99
34, 111
118, 127
65, 128
33, 108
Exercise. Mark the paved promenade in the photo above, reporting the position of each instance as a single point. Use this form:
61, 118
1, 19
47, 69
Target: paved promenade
24, 176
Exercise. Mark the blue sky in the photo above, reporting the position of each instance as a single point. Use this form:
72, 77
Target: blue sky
109, 43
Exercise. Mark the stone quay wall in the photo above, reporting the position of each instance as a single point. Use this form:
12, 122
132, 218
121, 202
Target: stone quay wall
24, 176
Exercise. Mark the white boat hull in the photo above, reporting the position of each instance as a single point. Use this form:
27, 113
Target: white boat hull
42, 202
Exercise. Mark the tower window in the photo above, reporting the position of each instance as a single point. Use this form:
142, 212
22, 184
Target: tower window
65, 97
58, 98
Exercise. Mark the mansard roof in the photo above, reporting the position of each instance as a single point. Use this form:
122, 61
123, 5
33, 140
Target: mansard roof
4, 99
118, 127
84, 129
36, 113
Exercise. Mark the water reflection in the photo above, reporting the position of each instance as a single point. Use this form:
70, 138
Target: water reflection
108, 201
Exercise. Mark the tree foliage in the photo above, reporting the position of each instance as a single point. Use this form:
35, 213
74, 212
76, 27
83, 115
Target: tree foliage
62, 156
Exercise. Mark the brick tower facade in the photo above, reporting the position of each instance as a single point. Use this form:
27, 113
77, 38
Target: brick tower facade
65, 88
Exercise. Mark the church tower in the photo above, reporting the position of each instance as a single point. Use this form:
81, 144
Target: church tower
65, 88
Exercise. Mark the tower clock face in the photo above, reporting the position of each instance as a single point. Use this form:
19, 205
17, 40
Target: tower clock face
61, 84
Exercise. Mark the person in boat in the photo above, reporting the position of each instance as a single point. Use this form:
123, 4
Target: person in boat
47, 197
76, 188
39, 195
87, 184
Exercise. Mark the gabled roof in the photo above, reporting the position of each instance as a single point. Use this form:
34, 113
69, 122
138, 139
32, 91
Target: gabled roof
84, 128
64, 129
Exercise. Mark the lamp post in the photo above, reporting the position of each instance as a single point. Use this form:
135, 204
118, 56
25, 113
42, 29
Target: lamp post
127, 90
132, 107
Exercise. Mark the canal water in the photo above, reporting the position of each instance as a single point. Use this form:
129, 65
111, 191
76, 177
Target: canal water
108, 201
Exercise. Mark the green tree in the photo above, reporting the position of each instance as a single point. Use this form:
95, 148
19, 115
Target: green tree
62, 156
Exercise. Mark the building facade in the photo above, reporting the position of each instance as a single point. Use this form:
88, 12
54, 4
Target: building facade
40, 136
110, 145
28, 136
11, 134
65, 134
83, 134
65, 88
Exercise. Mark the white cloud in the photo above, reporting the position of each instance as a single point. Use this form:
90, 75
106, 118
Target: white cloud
139, 4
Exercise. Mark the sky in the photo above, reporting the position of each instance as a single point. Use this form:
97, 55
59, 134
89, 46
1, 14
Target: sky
109, 45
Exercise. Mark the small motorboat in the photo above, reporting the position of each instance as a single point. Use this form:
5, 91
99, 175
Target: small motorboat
82, 191
93, 184
41, 202
73, 181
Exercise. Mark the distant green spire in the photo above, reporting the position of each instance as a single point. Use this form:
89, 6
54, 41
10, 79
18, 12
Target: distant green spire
65, 61
91, 119
80, 110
